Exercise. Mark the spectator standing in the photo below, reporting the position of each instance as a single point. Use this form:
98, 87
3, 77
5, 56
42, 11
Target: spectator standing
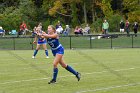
127, 27
105, 27
135, 28
58, 24
122, 25
59, 28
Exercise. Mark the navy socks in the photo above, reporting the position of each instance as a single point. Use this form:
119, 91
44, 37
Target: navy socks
70, 69
55, 72
35, 52
46, 52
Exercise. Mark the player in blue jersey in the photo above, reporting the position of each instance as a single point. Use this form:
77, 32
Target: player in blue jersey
58, 52
40, 41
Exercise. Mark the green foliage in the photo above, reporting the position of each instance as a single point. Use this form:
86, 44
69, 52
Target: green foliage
13, 16
131, 5
97, 25
106, 8
28, 11
13, 12
133, 8
10, 18
45, 24
74, 14
47, 4
114, 21
57, 6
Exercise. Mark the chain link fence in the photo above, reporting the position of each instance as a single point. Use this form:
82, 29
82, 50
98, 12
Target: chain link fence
75, 42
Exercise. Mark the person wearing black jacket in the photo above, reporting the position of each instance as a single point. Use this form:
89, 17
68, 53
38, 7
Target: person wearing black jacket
135, 28
122, 25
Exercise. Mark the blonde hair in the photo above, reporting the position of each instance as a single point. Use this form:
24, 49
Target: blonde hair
53, 27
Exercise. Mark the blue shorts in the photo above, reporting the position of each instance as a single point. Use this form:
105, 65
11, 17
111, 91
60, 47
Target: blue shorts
42, 42
60, 50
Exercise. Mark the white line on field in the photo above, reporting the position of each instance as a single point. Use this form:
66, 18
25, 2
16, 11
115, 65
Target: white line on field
9, 82
18, 81
110, 87
114, 70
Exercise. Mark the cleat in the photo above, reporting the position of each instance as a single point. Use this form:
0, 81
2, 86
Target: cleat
33, 57
52, 81
78, 76
47, 56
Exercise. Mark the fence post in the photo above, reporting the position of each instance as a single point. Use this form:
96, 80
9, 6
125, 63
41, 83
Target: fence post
14, 43
132, 41
32, 44
70, 42
90, 42
111, 42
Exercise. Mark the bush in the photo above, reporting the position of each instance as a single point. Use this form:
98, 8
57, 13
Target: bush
114, 21
10, 19
96, 27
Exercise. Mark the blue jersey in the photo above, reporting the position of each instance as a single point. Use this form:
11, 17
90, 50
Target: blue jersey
56, 47
41, 40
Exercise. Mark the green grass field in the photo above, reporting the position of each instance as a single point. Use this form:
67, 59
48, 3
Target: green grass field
103, 71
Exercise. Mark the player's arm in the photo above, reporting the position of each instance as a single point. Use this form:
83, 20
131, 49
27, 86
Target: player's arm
50, 36
35, 40
42, 35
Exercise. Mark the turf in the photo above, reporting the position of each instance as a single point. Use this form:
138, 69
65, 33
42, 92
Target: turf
103, 71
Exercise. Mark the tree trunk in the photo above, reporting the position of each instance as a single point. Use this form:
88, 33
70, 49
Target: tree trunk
74, 14
85, 13
93, 10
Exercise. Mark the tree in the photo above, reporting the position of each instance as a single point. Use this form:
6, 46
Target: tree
64, 8
72, 12
106, 7
93, 10
11, 18
12, 15
133, 9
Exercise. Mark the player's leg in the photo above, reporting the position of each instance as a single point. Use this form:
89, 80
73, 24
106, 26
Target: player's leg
70, 69
128, 32
120, 30
36, 50
104, 31
46, 51
123, 30
55, 68
135, 32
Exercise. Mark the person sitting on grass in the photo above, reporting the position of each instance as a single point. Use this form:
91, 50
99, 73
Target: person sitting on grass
2, 32
78, 30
